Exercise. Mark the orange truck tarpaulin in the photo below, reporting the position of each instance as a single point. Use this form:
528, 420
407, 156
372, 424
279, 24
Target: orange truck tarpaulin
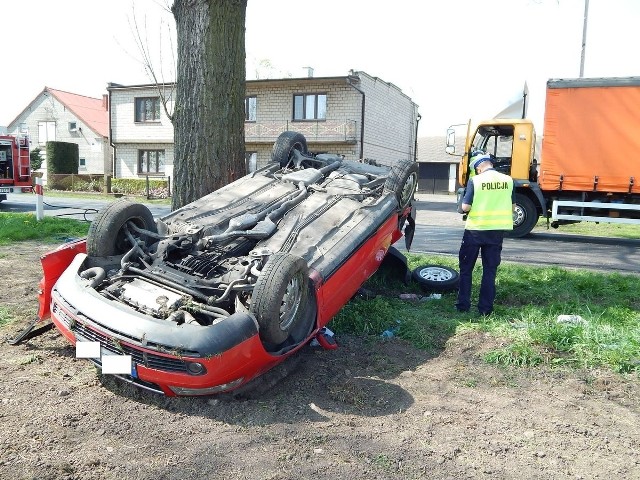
592, 135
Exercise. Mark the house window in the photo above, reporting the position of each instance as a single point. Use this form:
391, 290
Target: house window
310, 106
250, 109
46, 132
150, 162
147, 109
73, 127
82, 163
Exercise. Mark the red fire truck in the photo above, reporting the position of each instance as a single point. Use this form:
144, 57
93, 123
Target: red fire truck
15, 165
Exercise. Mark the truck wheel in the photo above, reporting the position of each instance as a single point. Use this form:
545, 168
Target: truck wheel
284, 146
436, 278
280, 300
525, 217
403, 181
107, 237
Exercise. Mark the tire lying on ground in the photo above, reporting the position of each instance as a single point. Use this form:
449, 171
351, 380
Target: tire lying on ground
436, 278
107, 233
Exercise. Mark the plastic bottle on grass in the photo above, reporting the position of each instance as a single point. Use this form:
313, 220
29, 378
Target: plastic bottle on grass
391, 332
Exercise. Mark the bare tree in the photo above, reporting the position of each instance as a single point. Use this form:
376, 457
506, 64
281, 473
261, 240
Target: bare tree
208, 117
157, 76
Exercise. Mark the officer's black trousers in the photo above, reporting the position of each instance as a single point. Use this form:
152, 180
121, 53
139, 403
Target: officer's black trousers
487, 243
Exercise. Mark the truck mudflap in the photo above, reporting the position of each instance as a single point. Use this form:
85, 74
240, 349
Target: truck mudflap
54, 263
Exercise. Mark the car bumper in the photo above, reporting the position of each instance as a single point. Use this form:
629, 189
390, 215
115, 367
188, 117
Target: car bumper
165, 357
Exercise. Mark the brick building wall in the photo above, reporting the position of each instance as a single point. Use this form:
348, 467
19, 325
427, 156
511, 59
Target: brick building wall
390, 119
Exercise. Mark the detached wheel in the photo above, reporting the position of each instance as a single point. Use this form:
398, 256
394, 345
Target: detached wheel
436, 278
283, 148
107, 235
280, 300
525, 217
403, 181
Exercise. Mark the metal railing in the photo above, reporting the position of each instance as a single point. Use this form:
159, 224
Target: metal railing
314, 131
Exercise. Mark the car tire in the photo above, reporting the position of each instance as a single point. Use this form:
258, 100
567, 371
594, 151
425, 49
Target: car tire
525, 217
403, 181
107, 237
436, 278
284, 146
280, 300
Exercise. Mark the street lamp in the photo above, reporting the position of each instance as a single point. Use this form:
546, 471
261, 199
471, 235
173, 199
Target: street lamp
584, 36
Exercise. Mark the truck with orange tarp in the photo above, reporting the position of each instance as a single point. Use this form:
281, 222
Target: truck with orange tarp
588, 168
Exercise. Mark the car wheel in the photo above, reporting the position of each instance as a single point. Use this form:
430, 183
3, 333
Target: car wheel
403, 181
436, 278
525, 217
280, 300
106, 234
284, 146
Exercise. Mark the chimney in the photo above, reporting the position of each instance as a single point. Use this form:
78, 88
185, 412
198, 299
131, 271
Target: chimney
105, 101
309, 71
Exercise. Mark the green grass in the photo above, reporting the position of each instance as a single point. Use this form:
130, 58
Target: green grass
5, 317
15, 227
614, 230
525, 321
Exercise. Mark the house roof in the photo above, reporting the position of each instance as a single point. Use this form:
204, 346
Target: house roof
432, 149
91, 111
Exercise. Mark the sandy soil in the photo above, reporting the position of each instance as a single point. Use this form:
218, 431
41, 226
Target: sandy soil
373, 409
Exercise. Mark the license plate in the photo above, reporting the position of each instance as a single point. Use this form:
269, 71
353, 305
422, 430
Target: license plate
4, 190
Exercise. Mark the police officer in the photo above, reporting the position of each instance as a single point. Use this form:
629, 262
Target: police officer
488, 203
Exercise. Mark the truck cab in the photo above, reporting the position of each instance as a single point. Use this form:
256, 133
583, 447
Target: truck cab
511, 145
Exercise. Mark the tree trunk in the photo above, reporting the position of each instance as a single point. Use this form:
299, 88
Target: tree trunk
208, 118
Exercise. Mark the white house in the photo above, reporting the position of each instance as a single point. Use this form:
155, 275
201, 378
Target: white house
356, 115
54, 115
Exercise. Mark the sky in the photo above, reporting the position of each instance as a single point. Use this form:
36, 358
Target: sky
457, 59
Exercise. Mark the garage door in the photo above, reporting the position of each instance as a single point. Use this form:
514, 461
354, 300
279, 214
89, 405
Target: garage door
433, 177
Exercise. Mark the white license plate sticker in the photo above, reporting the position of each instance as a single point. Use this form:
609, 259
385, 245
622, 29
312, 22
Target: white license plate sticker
116, 364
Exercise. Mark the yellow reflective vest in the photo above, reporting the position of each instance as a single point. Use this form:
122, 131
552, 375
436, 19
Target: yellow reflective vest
492, 206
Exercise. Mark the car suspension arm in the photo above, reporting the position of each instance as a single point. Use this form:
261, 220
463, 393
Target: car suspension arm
29, 332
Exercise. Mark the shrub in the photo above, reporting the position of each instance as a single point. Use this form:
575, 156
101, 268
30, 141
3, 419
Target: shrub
158, 188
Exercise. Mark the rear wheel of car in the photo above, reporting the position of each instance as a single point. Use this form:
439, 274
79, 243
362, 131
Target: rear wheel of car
280, 299
107, 234
436, 278
283, 148
403, 181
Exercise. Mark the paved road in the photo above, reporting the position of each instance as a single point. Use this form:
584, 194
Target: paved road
439, 230
76, 208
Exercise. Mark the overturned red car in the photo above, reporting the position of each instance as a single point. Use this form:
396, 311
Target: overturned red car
214, 294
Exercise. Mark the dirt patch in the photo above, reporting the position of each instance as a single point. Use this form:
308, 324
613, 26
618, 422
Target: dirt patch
376, 409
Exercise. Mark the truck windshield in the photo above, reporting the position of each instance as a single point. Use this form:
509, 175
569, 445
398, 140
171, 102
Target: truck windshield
498, 141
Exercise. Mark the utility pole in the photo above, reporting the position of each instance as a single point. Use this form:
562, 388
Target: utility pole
584, 36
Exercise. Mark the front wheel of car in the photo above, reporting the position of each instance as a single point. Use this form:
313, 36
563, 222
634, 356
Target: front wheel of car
436, 278
284, 146
107, 233
403, 181
281, 301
